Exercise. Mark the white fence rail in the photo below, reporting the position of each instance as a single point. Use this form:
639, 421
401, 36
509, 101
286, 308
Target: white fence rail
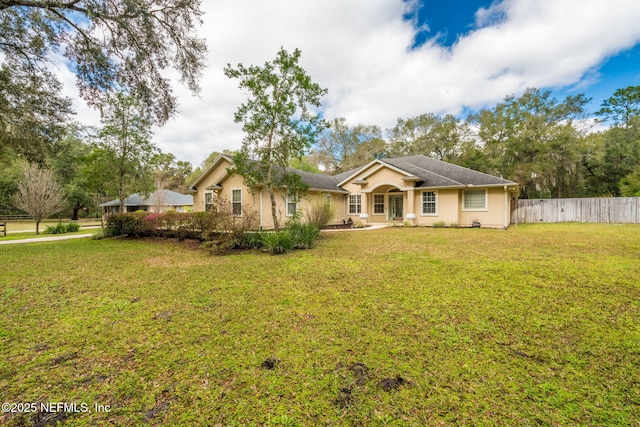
623, 210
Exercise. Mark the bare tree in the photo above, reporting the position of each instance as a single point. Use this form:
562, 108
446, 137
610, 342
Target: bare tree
39, 194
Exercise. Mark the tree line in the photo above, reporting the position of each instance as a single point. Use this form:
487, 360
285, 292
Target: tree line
551, 147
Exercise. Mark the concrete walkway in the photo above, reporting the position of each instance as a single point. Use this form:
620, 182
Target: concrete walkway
45, 239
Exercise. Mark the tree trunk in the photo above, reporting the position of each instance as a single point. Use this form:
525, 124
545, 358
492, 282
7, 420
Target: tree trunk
274, 214
76, 209
37, 227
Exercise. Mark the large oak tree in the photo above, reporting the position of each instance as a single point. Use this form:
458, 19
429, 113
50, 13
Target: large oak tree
110, 45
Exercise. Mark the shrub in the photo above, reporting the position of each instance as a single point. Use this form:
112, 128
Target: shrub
72, 227
320, 213
60, 228
222, 230
128, 224
295, 235
277, 242
439, 224
303, 236
454, 225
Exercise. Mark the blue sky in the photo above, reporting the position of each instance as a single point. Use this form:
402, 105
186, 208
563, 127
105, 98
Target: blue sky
445, 21
387, 59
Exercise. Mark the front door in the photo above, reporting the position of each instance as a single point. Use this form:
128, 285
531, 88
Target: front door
395, 207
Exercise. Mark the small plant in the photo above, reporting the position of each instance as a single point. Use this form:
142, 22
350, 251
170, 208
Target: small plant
407, 224
439, 224
284, 421
72, 227
61, 228
454, 225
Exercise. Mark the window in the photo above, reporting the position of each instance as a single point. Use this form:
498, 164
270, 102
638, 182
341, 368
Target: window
326, 198
355, 204
208, 201
475, 200
292, 204
429, 203
378, 203
236, 202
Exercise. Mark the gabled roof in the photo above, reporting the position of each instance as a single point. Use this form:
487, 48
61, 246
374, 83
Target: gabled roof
164, 198
424, 171
436, 173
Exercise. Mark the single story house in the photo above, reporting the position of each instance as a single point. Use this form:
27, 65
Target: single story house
417, 190
158, 201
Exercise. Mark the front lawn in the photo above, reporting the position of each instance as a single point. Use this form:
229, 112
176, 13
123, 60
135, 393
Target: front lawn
538, 325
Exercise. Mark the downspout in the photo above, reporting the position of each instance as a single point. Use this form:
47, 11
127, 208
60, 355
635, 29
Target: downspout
506, 207
260, 209
345, 209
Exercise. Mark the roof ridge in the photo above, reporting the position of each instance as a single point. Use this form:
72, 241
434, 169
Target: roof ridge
435, 173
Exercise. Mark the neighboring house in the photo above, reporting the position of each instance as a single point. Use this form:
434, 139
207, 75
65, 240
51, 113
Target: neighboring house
158, 201
417, 190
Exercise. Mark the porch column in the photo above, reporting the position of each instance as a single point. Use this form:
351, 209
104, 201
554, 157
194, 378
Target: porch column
364, 211
411, 216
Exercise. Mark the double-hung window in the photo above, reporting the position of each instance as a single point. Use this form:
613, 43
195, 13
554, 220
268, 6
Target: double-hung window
429, 203
292, 204
355, 204
378, 204
475, 200
208, 201
236, 201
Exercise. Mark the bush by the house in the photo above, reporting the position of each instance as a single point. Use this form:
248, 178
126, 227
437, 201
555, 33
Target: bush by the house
295, 235
320, 213
219, 229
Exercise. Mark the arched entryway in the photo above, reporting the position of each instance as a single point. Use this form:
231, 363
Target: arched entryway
387, 203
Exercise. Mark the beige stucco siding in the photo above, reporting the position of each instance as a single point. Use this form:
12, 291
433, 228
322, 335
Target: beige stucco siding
494, 214
447, 207
212, 177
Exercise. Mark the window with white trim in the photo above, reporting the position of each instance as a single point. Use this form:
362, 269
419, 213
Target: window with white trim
378, 204
355, 204
429, 203
475, 200
208, 201
292, 204
236, 201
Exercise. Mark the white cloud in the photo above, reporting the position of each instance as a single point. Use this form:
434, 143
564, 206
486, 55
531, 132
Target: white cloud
360, 50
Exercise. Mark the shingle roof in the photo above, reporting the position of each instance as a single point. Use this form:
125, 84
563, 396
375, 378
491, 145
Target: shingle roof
166, 198
437, 173
428, 172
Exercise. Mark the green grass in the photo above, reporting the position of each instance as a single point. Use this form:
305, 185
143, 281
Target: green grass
538, 325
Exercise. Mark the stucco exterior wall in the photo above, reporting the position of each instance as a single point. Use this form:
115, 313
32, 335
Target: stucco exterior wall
494, 214
447, 207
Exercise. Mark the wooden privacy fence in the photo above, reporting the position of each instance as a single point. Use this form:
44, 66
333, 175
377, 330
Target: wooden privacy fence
622, 210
